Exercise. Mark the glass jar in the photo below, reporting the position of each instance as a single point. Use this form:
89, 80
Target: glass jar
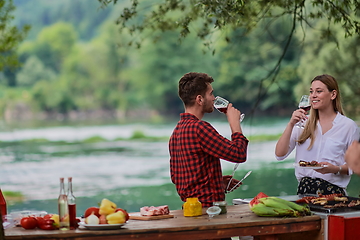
192, 207
222, 205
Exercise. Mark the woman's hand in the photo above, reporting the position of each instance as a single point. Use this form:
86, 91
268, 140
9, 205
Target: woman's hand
282, 146
329, 168
298, 115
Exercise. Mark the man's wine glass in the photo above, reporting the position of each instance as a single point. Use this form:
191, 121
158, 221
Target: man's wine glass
306, 105
221, 105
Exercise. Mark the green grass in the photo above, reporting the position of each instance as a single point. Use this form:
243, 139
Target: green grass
94, 139
264, 137
13, 196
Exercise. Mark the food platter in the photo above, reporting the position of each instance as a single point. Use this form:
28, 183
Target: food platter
331, 206
308, 167
101, 226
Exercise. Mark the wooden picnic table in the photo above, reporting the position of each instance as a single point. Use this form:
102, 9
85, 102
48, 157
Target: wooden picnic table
238, 221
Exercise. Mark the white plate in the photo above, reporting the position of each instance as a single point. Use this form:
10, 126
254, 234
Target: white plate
297, 165
101, 226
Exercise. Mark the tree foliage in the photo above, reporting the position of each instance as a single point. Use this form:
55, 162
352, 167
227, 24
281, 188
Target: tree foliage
339, 59
10, 36
255, 67
210, 20
233, 14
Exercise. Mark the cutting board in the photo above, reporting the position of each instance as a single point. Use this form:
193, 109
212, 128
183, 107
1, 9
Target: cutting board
138, 216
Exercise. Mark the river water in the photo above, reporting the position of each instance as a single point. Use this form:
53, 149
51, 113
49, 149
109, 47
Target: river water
132, 173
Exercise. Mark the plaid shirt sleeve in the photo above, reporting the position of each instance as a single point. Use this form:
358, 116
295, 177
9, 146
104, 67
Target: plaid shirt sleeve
218, 146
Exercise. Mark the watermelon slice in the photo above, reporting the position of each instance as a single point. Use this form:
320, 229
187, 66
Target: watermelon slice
255, 200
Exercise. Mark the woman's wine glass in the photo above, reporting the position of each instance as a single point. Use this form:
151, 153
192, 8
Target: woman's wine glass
306, 105
221, 105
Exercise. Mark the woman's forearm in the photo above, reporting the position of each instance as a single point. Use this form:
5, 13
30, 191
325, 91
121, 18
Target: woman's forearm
282, 146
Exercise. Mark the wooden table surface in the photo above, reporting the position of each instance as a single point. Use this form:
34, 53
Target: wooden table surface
239, 221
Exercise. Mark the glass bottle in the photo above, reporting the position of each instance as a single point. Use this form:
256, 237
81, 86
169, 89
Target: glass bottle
3, 211
192, 207
72, 205
222, 205
63, 207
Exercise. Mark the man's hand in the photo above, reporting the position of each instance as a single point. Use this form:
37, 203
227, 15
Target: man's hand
233, 182
233, 117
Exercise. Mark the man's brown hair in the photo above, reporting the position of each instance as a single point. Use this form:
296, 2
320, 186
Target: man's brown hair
193, 84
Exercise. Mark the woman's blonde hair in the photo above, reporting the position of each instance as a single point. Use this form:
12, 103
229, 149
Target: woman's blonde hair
310, 127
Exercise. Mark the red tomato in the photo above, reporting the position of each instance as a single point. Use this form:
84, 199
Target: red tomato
125, 212
28, 222
48, 227
90, 210
40, 221
46, 224
48, 216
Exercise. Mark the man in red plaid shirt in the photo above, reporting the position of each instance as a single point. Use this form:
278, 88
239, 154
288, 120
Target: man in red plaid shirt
196, 147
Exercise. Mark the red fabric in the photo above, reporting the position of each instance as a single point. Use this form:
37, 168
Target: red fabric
195, 151
341, 228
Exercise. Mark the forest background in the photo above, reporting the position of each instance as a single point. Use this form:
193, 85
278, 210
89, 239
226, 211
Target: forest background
76, 65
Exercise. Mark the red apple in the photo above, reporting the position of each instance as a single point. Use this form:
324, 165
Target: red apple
91, 210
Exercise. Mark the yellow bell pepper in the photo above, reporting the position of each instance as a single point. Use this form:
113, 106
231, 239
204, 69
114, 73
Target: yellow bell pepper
107, 207
116, 218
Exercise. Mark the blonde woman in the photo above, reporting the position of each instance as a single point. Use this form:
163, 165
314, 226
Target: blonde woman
327, 135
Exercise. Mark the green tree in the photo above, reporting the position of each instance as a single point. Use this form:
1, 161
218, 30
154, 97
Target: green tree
339, 58
52, 98
248, 59
10, 38
52, 45
32, 71
85, 16
161, 64
206, 17
92, 73
232, 14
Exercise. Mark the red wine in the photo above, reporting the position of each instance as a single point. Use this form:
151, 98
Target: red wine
306, 108
72, 214
222, 109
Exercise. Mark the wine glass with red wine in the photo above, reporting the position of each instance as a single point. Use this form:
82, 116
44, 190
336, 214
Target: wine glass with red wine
305, 105
221, 105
